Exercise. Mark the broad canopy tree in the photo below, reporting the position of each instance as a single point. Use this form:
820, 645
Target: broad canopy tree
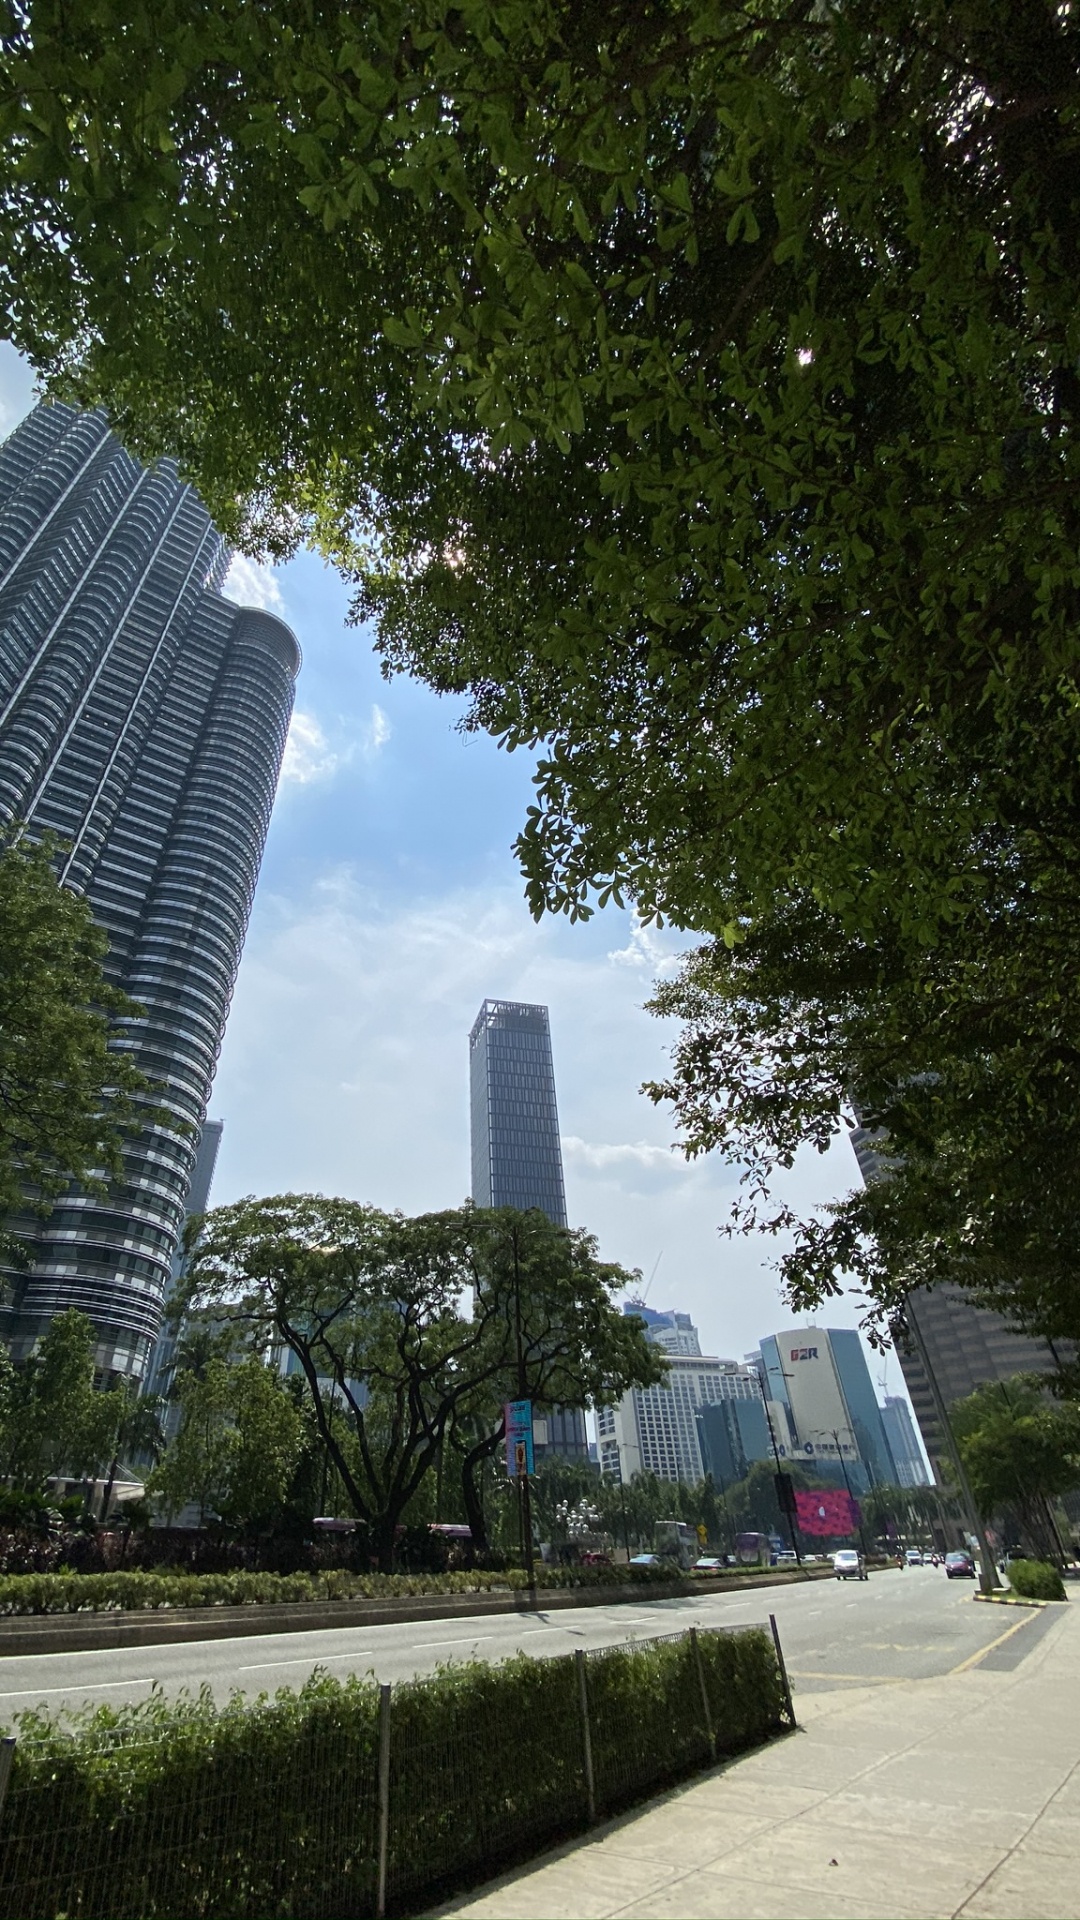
412, 1333
694, 388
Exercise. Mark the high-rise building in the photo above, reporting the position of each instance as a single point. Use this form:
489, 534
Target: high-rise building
516, 1150
202, 1174
655, 1429
142, 721
903, 1439
674, 1332
966, 1345
733, 1435
820, 1374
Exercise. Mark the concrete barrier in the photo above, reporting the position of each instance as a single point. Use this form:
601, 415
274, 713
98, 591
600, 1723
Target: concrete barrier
164, 1626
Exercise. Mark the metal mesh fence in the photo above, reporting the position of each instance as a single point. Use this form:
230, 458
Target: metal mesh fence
259, 1811
345, 1800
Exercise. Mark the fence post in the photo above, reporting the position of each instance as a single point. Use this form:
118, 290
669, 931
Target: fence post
784, 1682
7, 1760
700, 1665
384, 1799
586, 1732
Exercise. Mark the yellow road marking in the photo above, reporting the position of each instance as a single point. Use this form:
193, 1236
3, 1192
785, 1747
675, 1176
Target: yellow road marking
974, 1658
864, 1679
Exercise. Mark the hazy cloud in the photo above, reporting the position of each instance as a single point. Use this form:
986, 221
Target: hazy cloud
376, 733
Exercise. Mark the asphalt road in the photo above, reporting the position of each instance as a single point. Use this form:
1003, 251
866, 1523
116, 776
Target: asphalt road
895, 1626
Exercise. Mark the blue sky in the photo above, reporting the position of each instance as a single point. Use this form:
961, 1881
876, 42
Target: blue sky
389, 907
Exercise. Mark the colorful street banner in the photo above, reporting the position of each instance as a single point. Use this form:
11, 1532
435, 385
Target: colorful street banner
827, 1514
518, 1416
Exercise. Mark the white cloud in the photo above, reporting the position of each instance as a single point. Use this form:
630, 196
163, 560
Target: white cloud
603, 1155
376, 733
252, 584
308, 754
649, 950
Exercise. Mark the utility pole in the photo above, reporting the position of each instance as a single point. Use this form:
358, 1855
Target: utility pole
988, 1579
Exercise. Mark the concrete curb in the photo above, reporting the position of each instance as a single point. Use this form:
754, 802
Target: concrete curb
82, 1632
1015, 1600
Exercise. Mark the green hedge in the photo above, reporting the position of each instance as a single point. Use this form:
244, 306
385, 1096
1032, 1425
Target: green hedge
102, 1592
266, 1808
1035, 1580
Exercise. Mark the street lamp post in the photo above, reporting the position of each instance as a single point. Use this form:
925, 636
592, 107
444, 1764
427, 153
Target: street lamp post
524, 1491
988, 1579
831, 1433
779, 1471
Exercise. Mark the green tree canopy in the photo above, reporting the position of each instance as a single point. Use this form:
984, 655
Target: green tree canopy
961, 1060
412, 1333
1019, 1449
692, 387
236, 1447
68, 1093
52, 1421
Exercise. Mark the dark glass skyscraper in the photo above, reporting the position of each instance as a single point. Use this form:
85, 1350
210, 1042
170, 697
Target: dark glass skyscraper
516, 1151
142, 720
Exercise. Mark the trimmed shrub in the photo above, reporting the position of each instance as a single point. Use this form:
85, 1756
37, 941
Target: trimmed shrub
1035, 1580
183, 1811
133, 1591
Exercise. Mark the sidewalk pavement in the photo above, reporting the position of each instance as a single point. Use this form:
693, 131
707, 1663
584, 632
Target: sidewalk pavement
928, 1798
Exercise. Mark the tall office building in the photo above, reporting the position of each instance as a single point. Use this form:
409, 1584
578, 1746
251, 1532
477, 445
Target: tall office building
516, 1150
966, 1345
142, 720
900, 1432
820, 1374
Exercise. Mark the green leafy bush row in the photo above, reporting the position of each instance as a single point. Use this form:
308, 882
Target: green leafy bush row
269, 1807
102, 1592
1035, 1580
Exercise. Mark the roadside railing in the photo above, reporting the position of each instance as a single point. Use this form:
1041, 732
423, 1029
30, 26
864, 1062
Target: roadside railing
351, 1799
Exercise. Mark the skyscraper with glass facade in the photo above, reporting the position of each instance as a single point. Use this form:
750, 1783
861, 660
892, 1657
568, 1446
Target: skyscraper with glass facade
142, 721
516, 1151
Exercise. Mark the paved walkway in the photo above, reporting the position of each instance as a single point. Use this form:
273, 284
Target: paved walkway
927, 1798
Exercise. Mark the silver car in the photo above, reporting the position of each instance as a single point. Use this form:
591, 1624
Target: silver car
849, 1565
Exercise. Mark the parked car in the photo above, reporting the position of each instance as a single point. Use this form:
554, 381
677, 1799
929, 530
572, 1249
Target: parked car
960, 1566
849, 1565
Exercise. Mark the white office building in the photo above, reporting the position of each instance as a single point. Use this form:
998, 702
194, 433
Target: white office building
654, 1429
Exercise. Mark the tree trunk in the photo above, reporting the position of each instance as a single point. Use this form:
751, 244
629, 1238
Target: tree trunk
107, 1495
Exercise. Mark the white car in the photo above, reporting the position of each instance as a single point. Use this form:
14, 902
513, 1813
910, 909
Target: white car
849, 1565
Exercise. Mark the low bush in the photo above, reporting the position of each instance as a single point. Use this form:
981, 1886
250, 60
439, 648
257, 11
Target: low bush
66, 1592
182, 1809
1035, 1580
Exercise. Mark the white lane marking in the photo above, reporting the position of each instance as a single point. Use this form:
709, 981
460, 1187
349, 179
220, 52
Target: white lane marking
461, 1640
310, 1660
90, 1686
